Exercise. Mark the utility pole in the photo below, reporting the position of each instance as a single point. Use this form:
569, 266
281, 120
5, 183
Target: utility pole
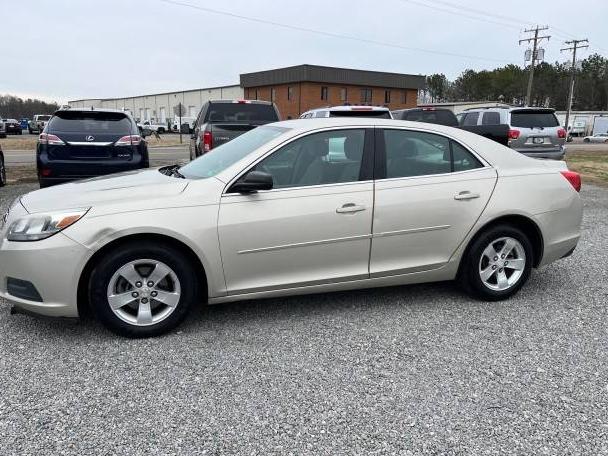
573, 46
535, 40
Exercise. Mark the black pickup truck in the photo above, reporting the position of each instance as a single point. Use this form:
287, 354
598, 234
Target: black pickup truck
442, 116
220, 121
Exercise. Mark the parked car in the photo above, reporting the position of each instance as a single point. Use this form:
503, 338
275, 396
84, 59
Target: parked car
185, 121
79, 143
269, 214
596, 138
2, 129
24, 123
443, 116
38, 123
379, 112
535, 132
12, 127
220, 121
152, 126
2, 169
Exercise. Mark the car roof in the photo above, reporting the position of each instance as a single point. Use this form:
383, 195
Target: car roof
349, 108
243, 101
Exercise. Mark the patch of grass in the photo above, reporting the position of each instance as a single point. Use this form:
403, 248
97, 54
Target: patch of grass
593, 166
21, 174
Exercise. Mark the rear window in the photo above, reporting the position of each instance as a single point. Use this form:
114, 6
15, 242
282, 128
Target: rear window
435, 117
377, 114
241, 112
531, 119
100, 122
43, 118
470, 119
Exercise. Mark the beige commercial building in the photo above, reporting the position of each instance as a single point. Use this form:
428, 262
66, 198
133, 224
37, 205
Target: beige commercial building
160, 107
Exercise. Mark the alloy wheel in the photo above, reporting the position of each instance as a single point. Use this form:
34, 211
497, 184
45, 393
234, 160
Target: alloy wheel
502, 263
144, 292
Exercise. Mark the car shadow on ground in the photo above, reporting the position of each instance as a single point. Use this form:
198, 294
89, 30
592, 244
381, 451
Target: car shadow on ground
265, 312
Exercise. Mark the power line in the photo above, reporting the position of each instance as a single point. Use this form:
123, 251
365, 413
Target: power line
534, 39
573, 46
480, 19
324, 33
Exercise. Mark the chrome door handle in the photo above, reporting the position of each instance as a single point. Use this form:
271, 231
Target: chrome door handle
466, 195
350, 208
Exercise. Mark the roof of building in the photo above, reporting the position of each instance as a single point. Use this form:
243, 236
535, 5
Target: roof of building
331, 75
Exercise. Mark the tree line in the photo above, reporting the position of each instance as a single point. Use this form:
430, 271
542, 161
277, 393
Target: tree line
508, 84
12, 107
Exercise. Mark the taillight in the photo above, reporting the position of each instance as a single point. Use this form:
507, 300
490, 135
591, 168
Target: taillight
561, 133
573, 178
514, 134
207, 141
52, 140
129, 140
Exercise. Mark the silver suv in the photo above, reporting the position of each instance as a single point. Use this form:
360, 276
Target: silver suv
534, 132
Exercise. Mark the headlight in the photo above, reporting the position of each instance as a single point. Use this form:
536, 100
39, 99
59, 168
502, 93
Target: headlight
41, 226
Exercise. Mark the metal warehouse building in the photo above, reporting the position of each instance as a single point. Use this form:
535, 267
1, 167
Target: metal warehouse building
294, 90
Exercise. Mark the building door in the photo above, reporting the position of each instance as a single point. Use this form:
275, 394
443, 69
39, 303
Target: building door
163, 115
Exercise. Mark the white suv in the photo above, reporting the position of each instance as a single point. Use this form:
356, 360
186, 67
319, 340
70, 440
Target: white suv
378, 112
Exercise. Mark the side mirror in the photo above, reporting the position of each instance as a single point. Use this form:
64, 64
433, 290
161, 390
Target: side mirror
252, 182
145, 132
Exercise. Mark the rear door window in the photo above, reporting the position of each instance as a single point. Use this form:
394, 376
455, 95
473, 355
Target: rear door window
93, 122
531, 119
241, 112
490, 118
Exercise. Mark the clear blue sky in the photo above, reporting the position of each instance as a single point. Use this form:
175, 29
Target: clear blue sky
69, 49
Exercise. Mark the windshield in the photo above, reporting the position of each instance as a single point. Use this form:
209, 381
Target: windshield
241, 112
531, 119
226, 155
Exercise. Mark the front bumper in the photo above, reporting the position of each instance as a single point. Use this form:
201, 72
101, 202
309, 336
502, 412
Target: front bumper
52, 266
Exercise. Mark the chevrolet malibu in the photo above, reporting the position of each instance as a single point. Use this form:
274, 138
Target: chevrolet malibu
295, 207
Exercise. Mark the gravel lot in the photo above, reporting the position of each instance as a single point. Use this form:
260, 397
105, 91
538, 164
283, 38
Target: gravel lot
408, 370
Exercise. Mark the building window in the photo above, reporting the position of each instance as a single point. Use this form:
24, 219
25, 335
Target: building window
273, 94
343, 95
324, 93
403, 97
366, 95
289, 93
387, 96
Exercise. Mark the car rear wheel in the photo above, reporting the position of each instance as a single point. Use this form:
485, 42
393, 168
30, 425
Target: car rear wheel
586, 140
497, 263
2, 172
143, 289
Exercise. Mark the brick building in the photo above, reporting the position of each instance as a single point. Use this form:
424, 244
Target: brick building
300, 88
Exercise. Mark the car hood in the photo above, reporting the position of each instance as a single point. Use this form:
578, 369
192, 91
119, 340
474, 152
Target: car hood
131, 186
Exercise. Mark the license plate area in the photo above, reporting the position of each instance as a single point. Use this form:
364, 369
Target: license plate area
538, 140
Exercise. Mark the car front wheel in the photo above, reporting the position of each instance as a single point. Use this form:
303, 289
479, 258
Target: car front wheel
497, 264
143, 289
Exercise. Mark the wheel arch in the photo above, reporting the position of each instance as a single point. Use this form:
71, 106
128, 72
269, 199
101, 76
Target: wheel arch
522, 222
85, 275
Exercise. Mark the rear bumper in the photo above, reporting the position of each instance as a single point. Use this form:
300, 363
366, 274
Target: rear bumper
35, 263
552, 154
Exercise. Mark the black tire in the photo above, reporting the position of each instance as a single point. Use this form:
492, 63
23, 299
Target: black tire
469, 276
105, 269
2, 172
161, 130
586, 140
